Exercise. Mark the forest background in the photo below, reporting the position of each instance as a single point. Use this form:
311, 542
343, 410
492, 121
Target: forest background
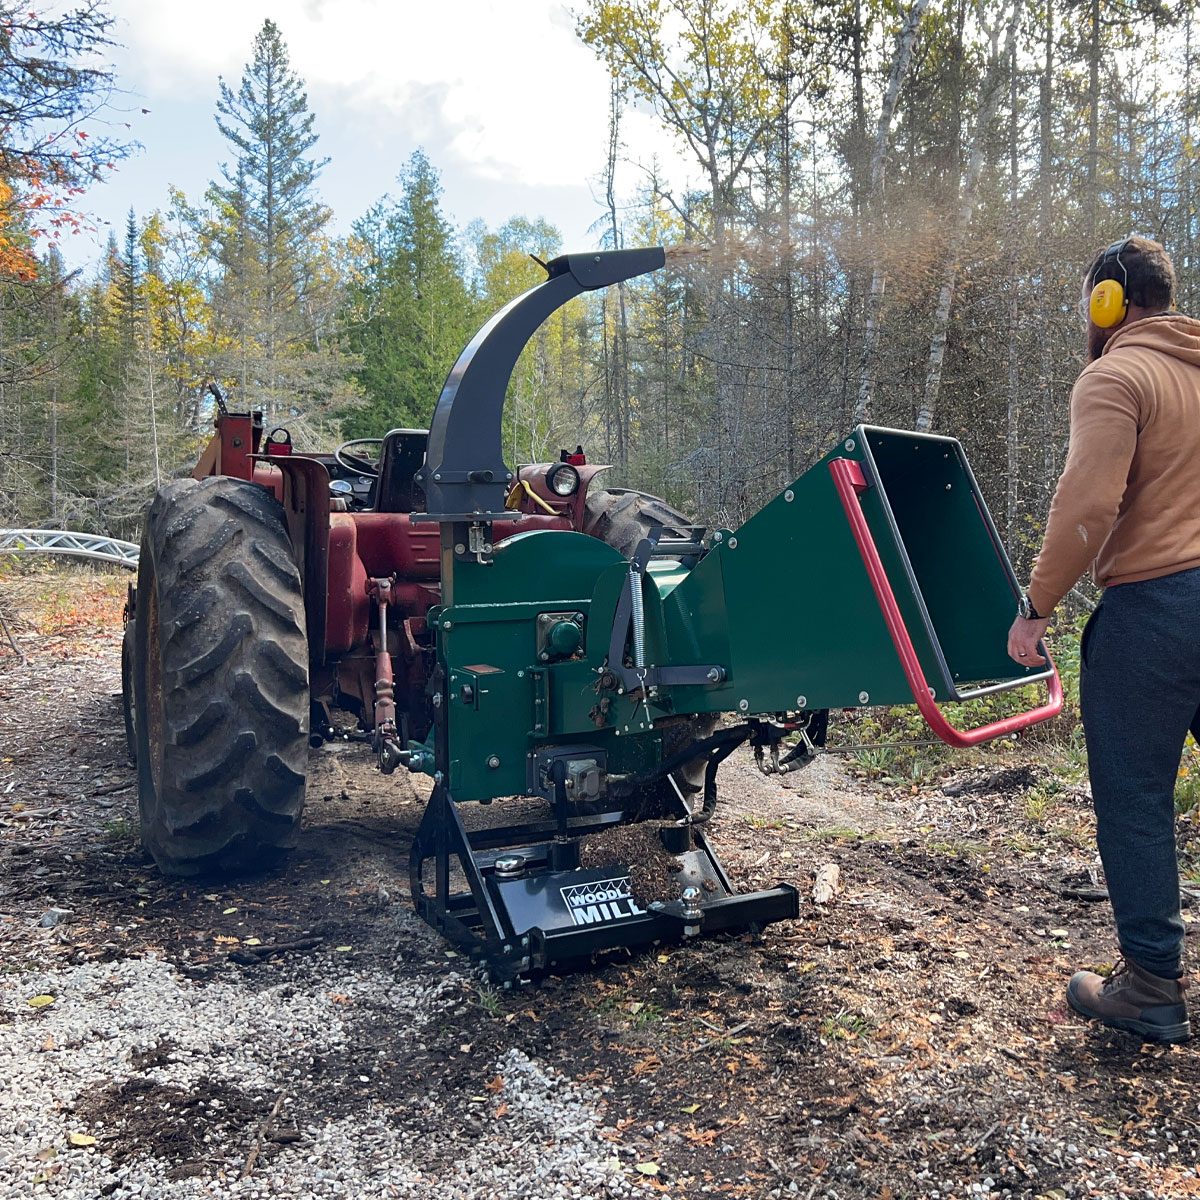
898, 202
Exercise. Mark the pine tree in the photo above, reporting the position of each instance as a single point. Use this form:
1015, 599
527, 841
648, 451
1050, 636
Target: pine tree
269, 222
410, 311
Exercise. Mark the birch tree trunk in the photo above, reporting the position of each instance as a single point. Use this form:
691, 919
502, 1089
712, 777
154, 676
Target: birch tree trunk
1012, 430
997, 65
874, 300
1045, 211
620, 361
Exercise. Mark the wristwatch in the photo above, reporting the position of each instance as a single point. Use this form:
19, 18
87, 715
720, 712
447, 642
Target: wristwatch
1025, 609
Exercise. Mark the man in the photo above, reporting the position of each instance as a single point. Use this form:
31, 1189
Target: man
1128, 502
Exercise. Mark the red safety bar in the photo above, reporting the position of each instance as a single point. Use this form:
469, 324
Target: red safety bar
849, 480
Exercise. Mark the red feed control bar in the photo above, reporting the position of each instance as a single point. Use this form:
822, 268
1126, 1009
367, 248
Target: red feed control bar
849, 480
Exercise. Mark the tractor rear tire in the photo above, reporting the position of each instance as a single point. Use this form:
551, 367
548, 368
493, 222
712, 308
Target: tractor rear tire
622, 518
127, 692
220, 664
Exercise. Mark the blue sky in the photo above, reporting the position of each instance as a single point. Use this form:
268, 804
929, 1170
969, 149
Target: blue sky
505, 100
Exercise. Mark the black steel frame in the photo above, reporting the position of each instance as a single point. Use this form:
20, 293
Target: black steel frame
475, 920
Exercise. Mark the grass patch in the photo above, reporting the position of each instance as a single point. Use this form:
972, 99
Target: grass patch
847, 1026
1187, 784
121, 829
490, 1000
764, 823
834, 833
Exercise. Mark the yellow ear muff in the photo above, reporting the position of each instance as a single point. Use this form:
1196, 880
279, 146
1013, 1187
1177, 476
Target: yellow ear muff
1108, 304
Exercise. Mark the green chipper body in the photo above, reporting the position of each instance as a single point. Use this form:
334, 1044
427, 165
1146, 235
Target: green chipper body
876, 578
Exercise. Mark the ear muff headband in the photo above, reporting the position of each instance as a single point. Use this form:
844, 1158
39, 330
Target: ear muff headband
1109, 301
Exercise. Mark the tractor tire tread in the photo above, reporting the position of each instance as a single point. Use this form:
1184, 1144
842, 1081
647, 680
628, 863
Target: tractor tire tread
233, 687
623, 518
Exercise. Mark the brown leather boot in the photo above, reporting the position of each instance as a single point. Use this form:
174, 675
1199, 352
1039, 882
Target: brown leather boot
1133, 1000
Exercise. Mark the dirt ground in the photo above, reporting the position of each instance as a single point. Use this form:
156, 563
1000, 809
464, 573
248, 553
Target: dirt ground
908, 1039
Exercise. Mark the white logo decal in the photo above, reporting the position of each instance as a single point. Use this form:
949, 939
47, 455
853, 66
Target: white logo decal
603, 900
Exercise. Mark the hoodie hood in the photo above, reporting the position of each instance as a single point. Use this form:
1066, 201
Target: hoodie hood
1172, 334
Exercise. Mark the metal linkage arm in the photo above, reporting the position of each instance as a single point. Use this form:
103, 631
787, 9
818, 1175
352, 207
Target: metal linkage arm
629, 623
464, 472
849, 480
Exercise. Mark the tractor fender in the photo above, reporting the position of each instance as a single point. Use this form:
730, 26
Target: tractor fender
575, 505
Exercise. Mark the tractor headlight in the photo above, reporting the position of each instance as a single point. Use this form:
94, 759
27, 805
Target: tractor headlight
562, 479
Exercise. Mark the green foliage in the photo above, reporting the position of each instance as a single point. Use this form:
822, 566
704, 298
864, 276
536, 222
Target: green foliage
846, 1026
1187, 785
408, 312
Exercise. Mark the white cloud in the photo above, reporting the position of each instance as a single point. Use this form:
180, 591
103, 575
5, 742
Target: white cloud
510, 106
507, 88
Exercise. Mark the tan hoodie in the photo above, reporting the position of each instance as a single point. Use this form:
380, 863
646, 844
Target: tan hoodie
1128, 501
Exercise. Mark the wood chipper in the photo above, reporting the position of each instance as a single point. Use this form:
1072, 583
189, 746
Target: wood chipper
523, 634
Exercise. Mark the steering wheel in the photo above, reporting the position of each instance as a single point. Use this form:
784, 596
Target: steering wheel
354, 463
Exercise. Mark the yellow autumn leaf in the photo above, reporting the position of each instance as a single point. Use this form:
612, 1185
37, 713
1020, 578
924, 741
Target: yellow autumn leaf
226, 911
690, 1108
252, 942
81, 1139
40, 1001
647, 1168
343, 949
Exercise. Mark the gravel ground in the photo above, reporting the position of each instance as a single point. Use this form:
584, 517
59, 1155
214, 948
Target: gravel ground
908, 1039
200, 1059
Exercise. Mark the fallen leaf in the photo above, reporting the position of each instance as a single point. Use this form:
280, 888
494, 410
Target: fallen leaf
343, 949
226, 940
502, 1110
42, 1001
50, 1044
646, 1168
252, 942
690, 1108
226, 911
46, 1153
495, 1085
211, 896
81, 1139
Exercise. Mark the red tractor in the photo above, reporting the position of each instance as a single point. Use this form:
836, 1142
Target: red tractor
276, 590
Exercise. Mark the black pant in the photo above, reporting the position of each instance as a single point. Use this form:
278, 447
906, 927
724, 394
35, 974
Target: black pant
1139, 693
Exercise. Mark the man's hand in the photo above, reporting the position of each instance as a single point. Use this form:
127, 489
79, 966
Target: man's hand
1023, 639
